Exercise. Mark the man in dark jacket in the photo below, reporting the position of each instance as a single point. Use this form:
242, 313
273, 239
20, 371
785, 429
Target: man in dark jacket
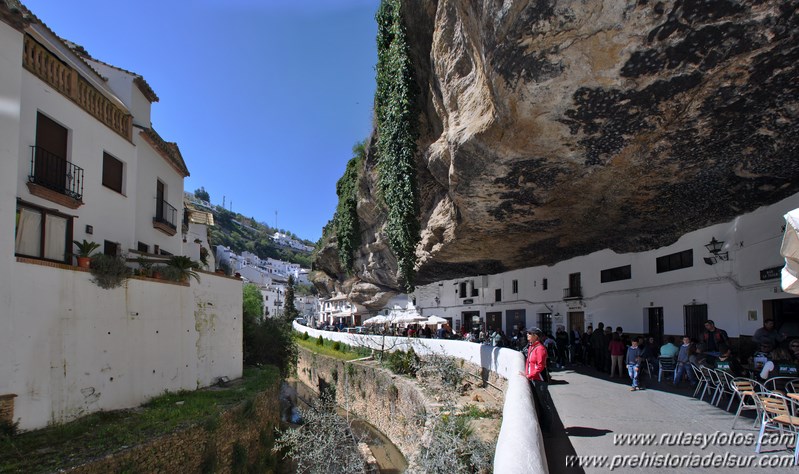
713, 338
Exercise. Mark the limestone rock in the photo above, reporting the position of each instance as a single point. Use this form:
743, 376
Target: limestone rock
555, 128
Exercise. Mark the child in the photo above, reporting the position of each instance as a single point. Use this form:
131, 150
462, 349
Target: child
633, 361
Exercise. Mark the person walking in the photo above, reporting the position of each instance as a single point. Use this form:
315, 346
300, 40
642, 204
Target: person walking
633, 363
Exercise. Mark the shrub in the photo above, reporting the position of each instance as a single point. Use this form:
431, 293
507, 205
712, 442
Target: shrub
453, 448
336, 346
404, 363
304, 336
8, 429
109, 271
443, 368
320, 341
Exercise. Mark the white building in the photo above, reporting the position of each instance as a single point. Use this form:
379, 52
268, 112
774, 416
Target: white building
668, 291
286, 241
80, 160
274, 300
195, 242
338, 310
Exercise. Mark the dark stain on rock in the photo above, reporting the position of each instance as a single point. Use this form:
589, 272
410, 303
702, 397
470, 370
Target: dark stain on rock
513, 60
608, 116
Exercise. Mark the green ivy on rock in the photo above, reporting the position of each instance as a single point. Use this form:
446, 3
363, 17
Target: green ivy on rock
395, 104
345, 221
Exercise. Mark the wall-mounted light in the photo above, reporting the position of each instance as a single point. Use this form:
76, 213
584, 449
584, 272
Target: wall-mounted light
438, 300
714, 247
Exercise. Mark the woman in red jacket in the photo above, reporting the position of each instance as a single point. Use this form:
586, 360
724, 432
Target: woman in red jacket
534, 372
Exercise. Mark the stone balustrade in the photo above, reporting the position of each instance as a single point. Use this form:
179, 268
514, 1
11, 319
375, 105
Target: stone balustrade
66, 80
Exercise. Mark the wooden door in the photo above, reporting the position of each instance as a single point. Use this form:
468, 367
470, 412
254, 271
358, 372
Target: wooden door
654, 324
50, 161
695, 317
578, 318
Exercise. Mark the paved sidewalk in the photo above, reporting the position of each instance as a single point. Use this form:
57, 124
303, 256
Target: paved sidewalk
595, 411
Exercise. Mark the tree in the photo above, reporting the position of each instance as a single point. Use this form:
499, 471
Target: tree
324, 443
266, 341
201, 193
253, 302
290, 311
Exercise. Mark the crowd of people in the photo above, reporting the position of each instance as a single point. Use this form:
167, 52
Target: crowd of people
620, 355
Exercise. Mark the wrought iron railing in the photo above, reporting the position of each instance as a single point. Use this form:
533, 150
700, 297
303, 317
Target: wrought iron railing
165, 213
56, 173
573, 292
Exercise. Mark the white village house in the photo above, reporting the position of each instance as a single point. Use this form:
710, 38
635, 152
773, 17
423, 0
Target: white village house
79, 159
728, 272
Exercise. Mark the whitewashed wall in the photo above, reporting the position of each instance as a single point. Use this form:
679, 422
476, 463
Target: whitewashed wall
106, 210
122, 84
10, 86
520, 447
152, 167
730, 289
77, 348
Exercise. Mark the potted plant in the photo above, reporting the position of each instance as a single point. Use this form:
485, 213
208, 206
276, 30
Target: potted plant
109, 271
85, 251
145, 267
183, 268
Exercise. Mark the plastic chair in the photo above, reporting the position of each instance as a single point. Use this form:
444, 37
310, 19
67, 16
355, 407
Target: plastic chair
746, 389
777, 414
666, 365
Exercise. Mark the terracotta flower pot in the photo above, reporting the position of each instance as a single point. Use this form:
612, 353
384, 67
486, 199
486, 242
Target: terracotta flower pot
84, 262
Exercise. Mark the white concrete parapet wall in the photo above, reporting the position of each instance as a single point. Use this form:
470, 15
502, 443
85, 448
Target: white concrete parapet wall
520, 447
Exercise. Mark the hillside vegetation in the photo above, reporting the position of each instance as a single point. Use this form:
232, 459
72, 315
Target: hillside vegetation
246, 234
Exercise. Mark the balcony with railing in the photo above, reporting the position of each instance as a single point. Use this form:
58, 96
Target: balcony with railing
165, 217
573, 293
55, 179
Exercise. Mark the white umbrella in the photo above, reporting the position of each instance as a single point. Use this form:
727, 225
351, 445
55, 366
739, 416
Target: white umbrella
436, 320
409, 318
790, 250
375, 320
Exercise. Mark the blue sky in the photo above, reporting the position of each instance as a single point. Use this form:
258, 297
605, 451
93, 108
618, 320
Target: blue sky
264, 97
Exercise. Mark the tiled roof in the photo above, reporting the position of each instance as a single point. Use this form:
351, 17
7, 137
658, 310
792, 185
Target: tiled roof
30, 17
138, 80
169, 150
145, 89
80, 51
14, 13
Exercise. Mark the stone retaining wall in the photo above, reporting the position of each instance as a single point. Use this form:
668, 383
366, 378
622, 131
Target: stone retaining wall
392, 404
208, 447
520, 446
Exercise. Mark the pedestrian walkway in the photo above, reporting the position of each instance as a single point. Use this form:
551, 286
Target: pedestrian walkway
661, 426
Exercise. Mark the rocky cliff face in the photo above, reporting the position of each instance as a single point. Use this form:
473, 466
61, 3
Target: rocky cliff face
555, 128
